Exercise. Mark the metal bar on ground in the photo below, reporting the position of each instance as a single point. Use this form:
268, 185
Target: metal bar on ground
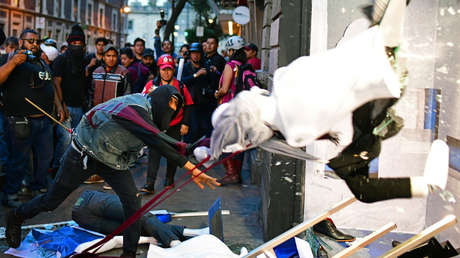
196, 214
423, 236
366, 240
299, 229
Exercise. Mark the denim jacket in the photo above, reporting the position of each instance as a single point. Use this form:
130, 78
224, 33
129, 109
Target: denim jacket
105, 140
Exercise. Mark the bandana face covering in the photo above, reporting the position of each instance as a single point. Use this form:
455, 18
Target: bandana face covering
76, 51
162, 113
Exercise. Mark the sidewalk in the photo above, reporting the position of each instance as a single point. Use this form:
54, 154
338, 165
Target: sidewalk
241, 227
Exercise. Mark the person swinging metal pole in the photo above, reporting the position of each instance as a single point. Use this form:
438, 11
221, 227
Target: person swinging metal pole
48, 115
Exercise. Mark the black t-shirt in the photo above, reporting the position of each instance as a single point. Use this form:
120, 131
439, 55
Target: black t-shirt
219, 62
32, 80
73, 84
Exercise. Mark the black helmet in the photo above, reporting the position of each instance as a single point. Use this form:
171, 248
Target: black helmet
195, 47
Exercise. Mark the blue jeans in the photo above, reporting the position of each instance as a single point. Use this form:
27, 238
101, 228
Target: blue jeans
62, 141
249, 158
3, 141
76, 113
40, 141
71, 174
200, 123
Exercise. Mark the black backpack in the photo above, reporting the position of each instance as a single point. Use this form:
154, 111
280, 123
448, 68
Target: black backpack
246, 78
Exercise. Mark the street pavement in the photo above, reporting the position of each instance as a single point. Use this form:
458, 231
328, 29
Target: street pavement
241, 227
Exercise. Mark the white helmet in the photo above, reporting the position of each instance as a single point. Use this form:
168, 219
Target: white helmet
235, 42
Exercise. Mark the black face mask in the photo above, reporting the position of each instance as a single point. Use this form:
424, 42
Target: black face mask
162, 114
76, 51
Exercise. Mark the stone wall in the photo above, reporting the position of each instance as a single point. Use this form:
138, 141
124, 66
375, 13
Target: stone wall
285, 36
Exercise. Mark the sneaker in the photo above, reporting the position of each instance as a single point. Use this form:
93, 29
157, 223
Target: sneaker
94, 179
107, 187
437, 164
13, 229
148, 188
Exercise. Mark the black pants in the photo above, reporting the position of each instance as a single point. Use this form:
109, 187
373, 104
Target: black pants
155, 156
103, 213
71, 174
371, 190
200, 122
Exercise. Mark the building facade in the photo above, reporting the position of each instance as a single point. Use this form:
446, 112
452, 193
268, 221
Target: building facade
142, 23
54, 18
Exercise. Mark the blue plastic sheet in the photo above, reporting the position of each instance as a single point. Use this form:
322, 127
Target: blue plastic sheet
288, 249
63, 240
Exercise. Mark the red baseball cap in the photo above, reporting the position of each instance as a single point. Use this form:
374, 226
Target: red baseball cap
166, 61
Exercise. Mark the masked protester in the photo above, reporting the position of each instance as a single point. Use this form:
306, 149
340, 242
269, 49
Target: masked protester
108, 141
178, 127
25, 74
70, 80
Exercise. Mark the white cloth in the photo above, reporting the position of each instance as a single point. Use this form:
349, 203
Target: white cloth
204, 246
309, 96
50, 51
116, 242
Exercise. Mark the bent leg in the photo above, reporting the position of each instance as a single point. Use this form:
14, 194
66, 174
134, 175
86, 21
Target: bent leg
164, 233
370, 190
70, 175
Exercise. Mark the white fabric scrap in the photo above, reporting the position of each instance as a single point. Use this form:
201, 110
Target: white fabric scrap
204, 246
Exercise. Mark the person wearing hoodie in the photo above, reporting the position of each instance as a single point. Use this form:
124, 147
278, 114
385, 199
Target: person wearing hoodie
69, 76
108, 140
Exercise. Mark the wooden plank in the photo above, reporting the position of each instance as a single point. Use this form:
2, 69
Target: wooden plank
366, 240
299, 229
423, 236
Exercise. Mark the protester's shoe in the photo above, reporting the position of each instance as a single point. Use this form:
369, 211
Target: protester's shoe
233, 171
148, 188
13, 229
326, 227
106, 187
437, 165
94, 179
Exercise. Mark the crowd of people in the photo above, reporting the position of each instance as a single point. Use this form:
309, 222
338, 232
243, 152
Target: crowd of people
67, 82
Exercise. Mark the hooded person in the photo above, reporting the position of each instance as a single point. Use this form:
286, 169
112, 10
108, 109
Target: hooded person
108, 141
69, 76
362, 76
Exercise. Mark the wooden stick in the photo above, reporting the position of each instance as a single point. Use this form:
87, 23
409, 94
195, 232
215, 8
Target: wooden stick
366, 240
48, 115
299, 229
423, 236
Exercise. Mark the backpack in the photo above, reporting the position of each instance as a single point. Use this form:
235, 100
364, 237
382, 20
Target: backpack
246, 78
